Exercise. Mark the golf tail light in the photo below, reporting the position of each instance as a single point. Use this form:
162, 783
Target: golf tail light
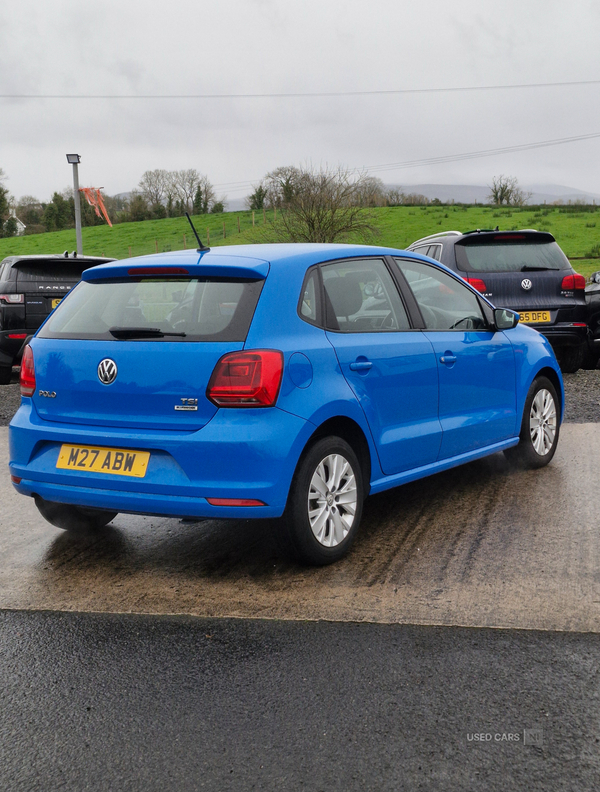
572, 282
27, 380
478, 284
246, 379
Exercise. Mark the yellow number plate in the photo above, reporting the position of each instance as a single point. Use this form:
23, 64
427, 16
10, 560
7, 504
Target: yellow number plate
534, 317
118, 461
55, 302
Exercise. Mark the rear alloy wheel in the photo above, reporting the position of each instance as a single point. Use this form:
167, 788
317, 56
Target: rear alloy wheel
325, 502
540, 426
570, 359
5, 375
76, 519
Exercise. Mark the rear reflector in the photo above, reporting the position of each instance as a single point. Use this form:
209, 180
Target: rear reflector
27, 380
136, 271
478, 284
234, 502
572, 282
15, 479
17, 335
246, 379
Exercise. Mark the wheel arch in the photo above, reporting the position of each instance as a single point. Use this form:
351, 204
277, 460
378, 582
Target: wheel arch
352, 433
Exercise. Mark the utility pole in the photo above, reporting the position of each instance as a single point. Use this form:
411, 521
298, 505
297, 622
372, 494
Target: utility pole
74, 160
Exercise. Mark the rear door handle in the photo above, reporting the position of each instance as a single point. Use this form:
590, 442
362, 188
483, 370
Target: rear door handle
448, 359
361, 365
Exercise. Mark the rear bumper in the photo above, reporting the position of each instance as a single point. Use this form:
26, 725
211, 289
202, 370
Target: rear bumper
248, 454
565, 335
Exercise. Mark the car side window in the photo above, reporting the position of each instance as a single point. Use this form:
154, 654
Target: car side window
308, 306
445, 303
361, 297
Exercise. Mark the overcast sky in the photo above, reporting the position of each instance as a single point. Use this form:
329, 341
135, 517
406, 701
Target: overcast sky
190, 47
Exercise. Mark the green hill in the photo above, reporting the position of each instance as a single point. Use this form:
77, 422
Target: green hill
575, 228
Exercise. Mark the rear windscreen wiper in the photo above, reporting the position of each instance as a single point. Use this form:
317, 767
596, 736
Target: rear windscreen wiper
141, 332
528, 268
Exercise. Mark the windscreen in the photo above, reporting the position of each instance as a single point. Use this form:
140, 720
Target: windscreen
511, 256
168, 309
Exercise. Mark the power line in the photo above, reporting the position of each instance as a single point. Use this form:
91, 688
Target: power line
306, 95
235, 186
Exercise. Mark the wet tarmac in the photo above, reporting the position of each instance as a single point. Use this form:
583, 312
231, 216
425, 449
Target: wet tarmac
484, 545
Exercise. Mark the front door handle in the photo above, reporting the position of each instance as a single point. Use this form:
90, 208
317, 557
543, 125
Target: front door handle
361, 365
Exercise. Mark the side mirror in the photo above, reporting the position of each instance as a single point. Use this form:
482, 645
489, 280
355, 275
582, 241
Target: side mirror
505, 319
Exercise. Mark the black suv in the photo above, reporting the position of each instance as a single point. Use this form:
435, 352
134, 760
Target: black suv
526, 271
31, 287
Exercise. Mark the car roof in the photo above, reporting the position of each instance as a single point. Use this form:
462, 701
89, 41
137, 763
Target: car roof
55, 257
458, 236
241, 260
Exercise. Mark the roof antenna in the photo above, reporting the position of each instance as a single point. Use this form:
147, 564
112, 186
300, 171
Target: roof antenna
201, 248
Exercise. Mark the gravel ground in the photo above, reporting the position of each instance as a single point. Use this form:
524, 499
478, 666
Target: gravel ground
582, 395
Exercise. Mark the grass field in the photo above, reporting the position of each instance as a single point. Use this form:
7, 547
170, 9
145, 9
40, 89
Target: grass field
576, 229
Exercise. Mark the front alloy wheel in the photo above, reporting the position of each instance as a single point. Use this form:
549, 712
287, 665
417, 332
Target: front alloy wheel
325, 502
539, 428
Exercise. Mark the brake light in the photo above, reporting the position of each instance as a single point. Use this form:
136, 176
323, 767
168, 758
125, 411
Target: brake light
12, 299
572, 282
246, 379
135, 271
478, 284
17, 335
27, 380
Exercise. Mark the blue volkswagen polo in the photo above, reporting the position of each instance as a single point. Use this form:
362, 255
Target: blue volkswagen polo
272, 380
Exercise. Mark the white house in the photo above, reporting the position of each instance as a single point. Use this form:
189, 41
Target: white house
20, 224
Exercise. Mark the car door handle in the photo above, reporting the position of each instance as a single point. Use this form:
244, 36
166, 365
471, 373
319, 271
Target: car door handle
361, 365
448, 359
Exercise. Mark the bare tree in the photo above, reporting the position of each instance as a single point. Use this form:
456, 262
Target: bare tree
153, 186
371, 192
324, 207
505, 190
281, 185
185, 185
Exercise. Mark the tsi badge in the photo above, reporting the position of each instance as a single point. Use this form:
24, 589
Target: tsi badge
188, 405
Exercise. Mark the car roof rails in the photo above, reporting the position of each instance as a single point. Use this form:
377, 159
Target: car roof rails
436, 236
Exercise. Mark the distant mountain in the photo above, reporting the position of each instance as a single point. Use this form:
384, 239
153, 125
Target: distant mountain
472, 193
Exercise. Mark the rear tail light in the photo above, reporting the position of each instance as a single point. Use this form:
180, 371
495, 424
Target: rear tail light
15, 479
478, 284
246, 379
11, 299
573, 282
27, 380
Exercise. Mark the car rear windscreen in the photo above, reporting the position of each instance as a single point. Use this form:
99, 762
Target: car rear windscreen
50, 270
168, 309
518, 255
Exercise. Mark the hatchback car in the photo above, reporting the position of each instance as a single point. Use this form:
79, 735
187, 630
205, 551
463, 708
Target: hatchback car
268, 380
526, 271
30, 288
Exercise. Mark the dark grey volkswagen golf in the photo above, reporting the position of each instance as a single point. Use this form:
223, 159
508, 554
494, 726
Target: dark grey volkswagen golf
526, 271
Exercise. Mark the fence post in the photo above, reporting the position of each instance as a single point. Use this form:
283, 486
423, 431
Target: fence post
274, 213
184, 243
264, 215
224, 234
252, 219
238, 224
208, 237
156, 244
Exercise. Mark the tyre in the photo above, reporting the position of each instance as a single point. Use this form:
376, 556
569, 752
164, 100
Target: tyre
5, 375
539, 427
76, 519
571, 358
325, 502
